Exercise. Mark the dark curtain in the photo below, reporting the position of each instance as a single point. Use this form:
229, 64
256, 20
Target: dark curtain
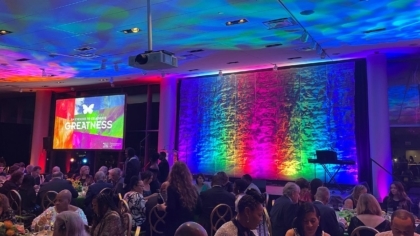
362, 123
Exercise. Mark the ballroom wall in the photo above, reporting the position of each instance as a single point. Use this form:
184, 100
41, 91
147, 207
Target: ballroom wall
269, 123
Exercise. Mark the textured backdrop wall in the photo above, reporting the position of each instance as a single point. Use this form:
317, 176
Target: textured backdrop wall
269, 123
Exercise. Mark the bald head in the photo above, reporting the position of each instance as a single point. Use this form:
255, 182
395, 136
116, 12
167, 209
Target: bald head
55, 169
100, 175
65, 194
190, 229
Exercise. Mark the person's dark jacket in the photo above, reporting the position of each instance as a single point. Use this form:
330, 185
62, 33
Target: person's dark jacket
210, 199
163, 170
56, 185
132, 169
328, 220
7, 186
282, 215
94, 190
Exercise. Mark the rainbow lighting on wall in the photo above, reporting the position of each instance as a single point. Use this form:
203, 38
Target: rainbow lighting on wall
268, 124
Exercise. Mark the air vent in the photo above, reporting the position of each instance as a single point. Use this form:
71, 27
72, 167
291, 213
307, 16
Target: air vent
197, 50
280, 23
374, 30
293, 58
273, 45
86, 55
232, 62
189, 57
84, 49
23, 59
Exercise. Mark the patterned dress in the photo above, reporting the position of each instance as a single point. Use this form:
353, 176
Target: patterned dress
137, 206
49, 215
8, 214
110, 225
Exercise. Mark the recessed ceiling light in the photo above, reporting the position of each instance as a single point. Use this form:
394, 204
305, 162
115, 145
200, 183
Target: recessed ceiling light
236, 22
273, 45
131, 31
233, 62
4, 32
193, 70
23, 59
293, 58
307, 12
374, 30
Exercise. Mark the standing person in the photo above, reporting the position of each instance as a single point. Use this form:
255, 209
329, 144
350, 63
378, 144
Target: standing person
163, 167
183, 201
132, 167
285, 209
397, 198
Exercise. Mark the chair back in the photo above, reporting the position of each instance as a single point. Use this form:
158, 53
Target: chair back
15, 201
127, 220
156, 221
48, 199
137, 232
106, 191
267, 222
361, 231
123, 207
221, 214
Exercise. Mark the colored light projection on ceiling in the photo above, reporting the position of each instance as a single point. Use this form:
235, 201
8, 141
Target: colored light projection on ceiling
404, 92
342, 23
269, 123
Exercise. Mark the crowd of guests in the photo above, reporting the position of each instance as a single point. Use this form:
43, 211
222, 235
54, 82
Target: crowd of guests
304, 209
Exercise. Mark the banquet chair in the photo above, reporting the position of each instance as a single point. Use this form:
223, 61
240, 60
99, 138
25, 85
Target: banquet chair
123, 207
221, 214
359, 230
137, 232
127, 220
48, 199
106, 191
15, 202
156, 221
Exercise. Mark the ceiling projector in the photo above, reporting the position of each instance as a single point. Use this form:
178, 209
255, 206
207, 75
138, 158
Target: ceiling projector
154, 60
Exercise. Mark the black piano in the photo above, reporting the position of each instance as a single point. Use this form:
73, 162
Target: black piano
327, 157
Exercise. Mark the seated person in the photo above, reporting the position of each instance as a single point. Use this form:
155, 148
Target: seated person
56, 184
84, 177
6, 212
13, 183
136, 201
307, 212
107, 221
190, 229
69, 223
28, 195
61, 203
402, 223
369, 213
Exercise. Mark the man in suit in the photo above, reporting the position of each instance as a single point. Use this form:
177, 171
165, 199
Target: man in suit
115, 175
57, 184
163, 167
132, 168
97, 187
285, 209
214, 196
36, 173
328, 220
55, 169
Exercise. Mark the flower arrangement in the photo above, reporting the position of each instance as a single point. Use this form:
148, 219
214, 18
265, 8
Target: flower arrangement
346, 214
76, 184
9, 229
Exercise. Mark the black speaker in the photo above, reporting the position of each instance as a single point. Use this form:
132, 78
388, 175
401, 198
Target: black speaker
47, 143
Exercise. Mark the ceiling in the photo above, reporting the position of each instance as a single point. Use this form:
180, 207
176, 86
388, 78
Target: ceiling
48, 32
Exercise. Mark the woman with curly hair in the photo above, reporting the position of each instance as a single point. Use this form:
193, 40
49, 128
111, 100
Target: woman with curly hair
397, 198
183, 201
